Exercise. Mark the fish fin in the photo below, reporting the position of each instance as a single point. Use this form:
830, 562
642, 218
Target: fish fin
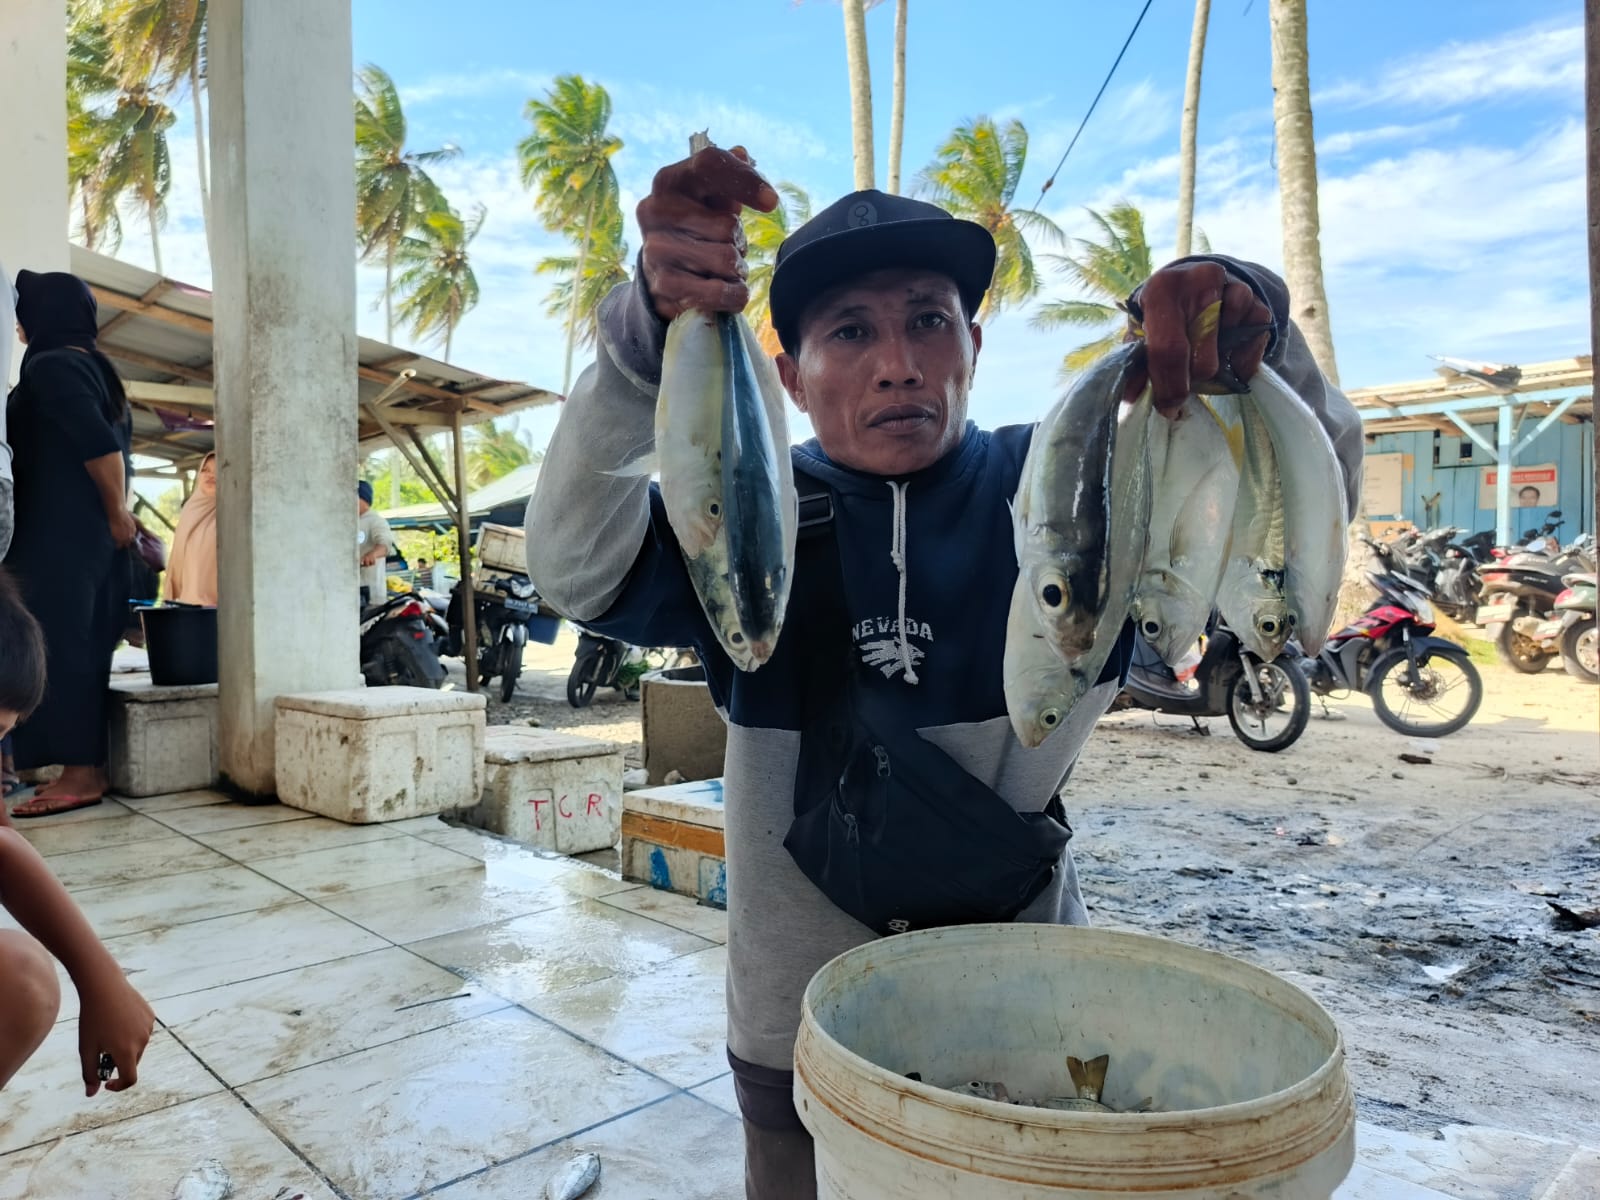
645, 465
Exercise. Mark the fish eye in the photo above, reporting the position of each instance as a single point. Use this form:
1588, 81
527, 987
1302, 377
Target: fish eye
1151, 629
1053, 592
1267, 626
736, 638
1050, 718
713, 508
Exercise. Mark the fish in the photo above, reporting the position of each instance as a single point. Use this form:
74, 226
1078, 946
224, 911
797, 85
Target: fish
1251, 596
981, 1090
1195, 484
581, 1172
1060, 514
1040, 684
208, 1180
737, 513
1315, 515
689, 434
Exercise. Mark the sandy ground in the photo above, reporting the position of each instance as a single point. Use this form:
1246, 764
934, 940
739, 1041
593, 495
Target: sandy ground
1411, 899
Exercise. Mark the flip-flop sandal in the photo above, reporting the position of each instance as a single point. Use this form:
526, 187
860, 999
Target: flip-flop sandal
10, 786
52, 806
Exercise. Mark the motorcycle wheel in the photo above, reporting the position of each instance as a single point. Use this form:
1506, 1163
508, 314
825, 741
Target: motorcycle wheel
510, 669
1580, 651
584, 680
1442, 674
1518, 652
1284, 693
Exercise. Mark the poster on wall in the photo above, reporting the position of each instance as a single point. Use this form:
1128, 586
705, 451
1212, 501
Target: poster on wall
1382, 485
1531, 487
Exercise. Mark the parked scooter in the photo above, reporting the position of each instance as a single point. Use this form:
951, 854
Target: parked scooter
1268, 704
398, 647
506, 605
605, 662
1570, 628
1518, 593
1390, 654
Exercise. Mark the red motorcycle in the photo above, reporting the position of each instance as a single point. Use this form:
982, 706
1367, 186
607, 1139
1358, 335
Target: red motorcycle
1420, 685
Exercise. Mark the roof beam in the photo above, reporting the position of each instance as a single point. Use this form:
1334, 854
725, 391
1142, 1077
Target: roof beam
1477, 438
138, 306
139, 359
1549, 420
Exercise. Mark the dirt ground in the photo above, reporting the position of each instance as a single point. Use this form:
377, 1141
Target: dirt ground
1412, 900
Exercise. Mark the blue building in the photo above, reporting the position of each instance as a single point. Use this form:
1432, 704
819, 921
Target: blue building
1435, 447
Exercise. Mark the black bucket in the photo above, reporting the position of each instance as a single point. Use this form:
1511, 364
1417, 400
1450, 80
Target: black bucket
181, 640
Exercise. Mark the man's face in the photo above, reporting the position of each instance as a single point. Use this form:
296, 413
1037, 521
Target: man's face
8, 720
362, 506
883, 370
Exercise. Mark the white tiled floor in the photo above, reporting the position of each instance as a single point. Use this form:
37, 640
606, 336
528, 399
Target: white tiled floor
381, 1011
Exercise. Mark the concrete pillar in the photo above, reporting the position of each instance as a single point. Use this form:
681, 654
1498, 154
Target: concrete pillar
283, 202
33, 140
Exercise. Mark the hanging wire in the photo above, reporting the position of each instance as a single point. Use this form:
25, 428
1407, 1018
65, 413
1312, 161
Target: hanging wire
1092, 103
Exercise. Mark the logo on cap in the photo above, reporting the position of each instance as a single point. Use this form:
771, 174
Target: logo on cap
862, 214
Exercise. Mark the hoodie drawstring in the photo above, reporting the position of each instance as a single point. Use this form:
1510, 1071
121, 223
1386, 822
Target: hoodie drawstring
897, 552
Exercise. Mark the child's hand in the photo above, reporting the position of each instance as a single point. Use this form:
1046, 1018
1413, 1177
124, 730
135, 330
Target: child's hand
113, 1019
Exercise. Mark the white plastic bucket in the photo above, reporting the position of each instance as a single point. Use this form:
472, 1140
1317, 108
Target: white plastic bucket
1245, 1070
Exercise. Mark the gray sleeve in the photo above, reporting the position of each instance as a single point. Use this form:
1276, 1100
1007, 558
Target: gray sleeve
586, 525
1290, 356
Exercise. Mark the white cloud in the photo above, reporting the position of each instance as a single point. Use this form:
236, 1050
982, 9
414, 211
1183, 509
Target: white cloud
473, 84
656, 123
1350, 140
1531, 60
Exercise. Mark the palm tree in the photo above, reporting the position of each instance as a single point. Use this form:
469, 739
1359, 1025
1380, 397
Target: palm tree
1191, 123
91, 83
436, 284
1105, 272
604, 264
855, 50
764, 233
567, 156
1297, 180
393, 191
161, 45
975, 176
135, 163
897, 111
494, 451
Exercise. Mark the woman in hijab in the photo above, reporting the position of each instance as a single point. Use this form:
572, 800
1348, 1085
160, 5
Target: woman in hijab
192, 567
71, 434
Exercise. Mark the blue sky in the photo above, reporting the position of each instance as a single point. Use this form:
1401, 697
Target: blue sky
1450, 148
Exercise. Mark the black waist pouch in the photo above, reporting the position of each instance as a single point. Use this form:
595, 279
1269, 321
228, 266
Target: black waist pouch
893, 831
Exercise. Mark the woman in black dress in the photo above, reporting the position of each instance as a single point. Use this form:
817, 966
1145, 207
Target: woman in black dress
70, 436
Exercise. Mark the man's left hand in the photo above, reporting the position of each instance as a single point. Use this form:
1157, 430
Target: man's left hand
1181, 351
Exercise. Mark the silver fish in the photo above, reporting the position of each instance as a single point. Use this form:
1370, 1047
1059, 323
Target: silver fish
1060, 516
1314, 511
1041, 685
1195, 484
734, 510
1251, 597
581, 1173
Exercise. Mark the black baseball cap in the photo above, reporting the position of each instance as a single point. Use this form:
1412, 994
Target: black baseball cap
869, 230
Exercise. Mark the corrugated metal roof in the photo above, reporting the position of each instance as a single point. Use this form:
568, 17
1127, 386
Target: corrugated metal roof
158, 331
1421, 404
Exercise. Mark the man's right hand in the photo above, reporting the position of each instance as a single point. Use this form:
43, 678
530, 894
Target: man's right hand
123, 528
694, 246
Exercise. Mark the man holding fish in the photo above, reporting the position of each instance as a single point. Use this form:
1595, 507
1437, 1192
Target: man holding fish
874, 781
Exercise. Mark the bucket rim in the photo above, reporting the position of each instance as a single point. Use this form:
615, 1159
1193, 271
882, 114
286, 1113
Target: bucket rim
1293, 1142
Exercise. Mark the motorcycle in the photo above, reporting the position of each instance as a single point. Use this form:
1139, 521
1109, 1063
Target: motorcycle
1519, 590
1267, 704
1570, 628
506, 604
605, 662
398, 646
1390, 654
